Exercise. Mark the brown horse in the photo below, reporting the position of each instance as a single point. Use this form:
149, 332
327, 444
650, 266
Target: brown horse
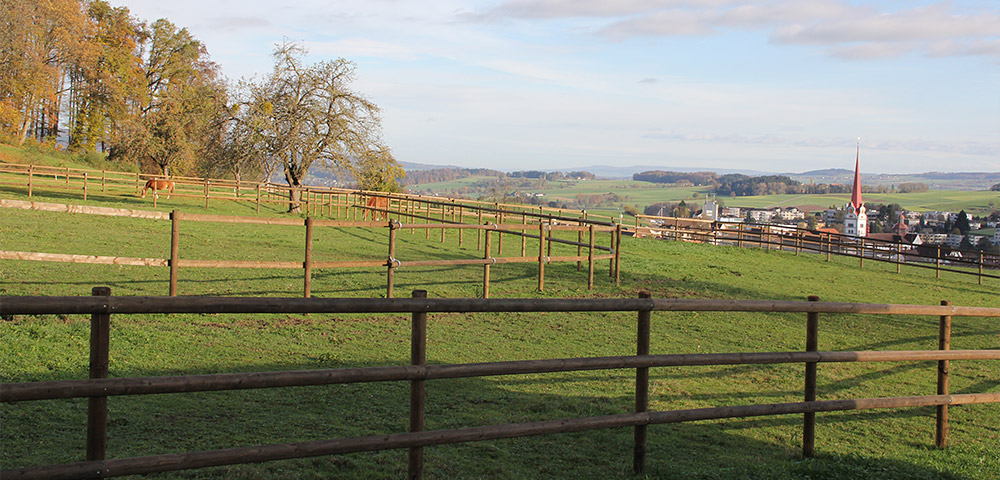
377, 205
154, 184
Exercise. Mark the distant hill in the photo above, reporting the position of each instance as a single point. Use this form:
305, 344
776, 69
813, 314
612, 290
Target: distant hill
828, 172
618, 173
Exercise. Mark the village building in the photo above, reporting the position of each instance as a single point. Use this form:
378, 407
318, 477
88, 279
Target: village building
856, 218
760, 215
710, 210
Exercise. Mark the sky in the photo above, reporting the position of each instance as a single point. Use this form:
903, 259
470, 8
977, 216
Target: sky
778, 86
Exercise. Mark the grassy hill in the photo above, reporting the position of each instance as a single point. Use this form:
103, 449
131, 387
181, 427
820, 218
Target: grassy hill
890, 444
642, 194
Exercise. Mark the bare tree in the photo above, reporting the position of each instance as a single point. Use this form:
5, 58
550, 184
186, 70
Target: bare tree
308, 114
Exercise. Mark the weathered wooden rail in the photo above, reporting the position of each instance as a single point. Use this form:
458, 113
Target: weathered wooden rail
391, 263
101, 307
788, 238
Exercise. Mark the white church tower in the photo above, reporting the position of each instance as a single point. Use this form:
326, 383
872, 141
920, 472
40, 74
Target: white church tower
856, 218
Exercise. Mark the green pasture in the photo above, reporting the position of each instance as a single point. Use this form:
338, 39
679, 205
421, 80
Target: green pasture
647, 193
934, 200
886, 444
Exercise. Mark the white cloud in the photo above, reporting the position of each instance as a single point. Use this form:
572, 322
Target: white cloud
847, 30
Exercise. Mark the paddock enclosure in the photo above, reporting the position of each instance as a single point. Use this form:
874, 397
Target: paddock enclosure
98, 388
481, 386
553, 241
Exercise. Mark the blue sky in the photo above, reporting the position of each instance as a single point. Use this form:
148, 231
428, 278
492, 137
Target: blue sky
783, 86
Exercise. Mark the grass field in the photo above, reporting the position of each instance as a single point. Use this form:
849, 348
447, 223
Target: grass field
646, 193
888, 444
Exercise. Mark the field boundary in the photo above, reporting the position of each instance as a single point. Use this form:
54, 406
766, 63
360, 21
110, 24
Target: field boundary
795, 239
101, 306
544, 236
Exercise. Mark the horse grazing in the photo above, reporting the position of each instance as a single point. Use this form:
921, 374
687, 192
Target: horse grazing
378, 205
154, 184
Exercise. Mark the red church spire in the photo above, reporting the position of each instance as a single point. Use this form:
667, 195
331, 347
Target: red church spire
856, 192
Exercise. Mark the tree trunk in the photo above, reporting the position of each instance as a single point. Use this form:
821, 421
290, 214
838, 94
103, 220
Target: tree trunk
294, 193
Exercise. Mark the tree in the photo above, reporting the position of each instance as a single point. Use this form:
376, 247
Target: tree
308, 114
38, 42
378, 171
170, 121
107, 78
962, 223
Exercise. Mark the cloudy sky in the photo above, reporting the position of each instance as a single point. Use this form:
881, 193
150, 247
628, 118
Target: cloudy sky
783, 85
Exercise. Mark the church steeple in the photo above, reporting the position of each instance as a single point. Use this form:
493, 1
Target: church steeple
856, 218
856, 191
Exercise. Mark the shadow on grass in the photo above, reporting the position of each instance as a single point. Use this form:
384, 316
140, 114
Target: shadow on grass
766, 447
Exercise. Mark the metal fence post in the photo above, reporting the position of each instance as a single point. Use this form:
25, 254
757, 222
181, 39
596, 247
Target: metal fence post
809, 418
944, 343
97, 407
418, 356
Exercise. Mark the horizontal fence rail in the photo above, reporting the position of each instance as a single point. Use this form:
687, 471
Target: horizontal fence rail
102, 306
34, 305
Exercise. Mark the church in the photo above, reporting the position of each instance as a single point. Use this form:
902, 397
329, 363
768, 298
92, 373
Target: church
856, 218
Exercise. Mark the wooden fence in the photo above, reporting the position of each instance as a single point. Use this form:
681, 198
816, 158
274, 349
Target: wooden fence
787, 238
101, 307
391, 263
314, 200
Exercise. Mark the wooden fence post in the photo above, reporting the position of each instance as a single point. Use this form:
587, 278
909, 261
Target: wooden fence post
937, 263
862, 252
104, 177
418, 356
461, 219
487, 254
427, 219
175, 234
590, 259
541, 255
137, 180
899, 258
980, 268
307, 264
206, 193
944, 343
618, 255
479, 233
85, 192
258, 198
500, 234
444, 220
524, 237
97, 407
809, 419
641, 388
391, 272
